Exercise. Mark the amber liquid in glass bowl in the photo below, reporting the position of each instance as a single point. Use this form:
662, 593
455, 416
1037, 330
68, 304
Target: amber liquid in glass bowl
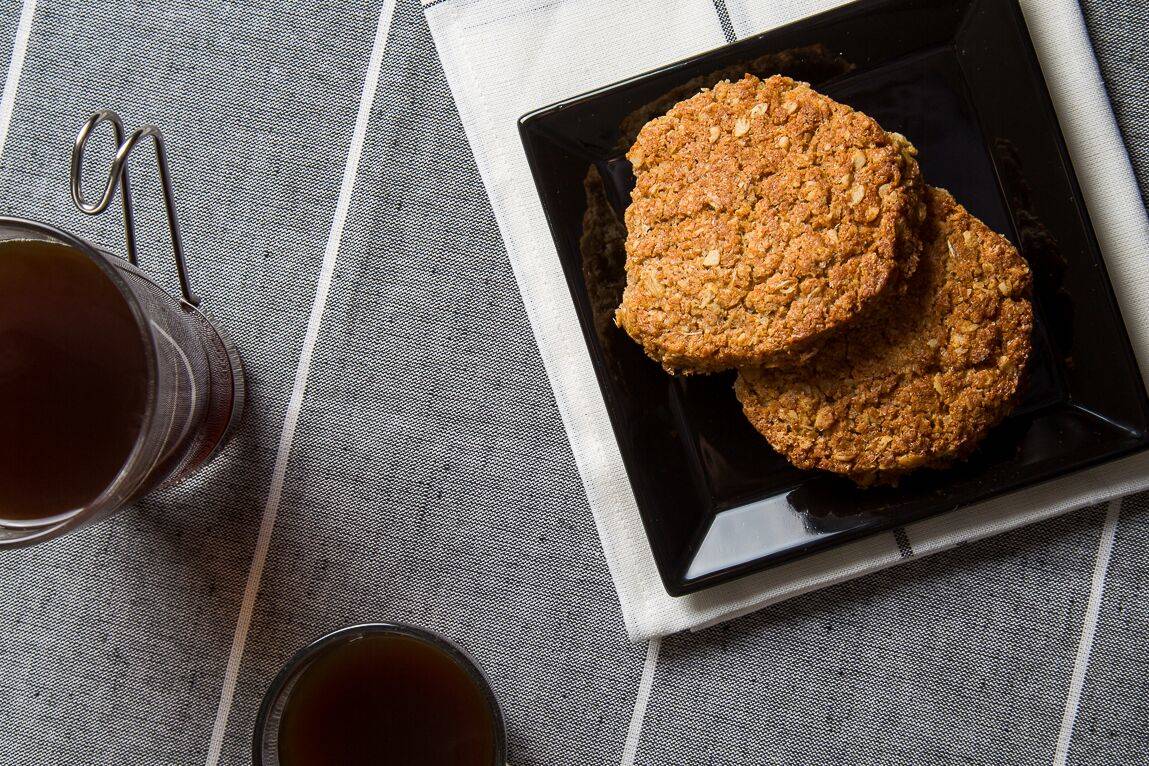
382, 699
73, 380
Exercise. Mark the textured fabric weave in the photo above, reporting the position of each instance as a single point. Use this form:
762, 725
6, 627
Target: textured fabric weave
432, 481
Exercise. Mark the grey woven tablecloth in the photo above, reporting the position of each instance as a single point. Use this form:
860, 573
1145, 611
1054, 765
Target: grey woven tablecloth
430, 480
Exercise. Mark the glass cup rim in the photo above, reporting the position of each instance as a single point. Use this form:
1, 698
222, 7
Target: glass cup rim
299, 661
39, 529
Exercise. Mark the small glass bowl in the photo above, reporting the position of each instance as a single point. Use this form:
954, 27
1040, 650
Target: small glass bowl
265, 744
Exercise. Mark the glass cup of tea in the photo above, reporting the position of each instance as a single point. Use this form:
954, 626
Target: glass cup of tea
380, 694
109, 386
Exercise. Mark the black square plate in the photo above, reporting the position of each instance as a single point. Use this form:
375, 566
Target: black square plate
961, 80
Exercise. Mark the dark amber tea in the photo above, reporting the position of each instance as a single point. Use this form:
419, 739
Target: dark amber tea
386, 698
73, 380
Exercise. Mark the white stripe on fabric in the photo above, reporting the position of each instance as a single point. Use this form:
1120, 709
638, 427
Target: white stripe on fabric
641, 699
302, 370
15, 67
1088, 631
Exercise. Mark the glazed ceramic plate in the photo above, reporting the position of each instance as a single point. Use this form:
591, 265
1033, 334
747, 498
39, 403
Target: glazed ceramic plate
960, 79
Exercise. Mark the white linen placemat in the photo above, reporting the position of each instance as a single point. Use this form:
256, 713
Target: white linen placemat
504, 58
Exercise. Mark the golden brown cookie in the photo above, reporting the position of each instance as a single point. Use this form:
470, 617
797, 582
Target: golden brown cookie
764, 216
921, 381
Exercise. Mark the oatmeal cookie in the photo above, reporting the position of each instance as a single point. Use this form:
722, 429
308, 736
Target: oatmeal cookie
920, 381
764, 216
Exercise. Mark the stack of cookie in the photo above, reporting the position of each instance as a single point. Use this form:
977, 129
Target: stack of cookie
877, 326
